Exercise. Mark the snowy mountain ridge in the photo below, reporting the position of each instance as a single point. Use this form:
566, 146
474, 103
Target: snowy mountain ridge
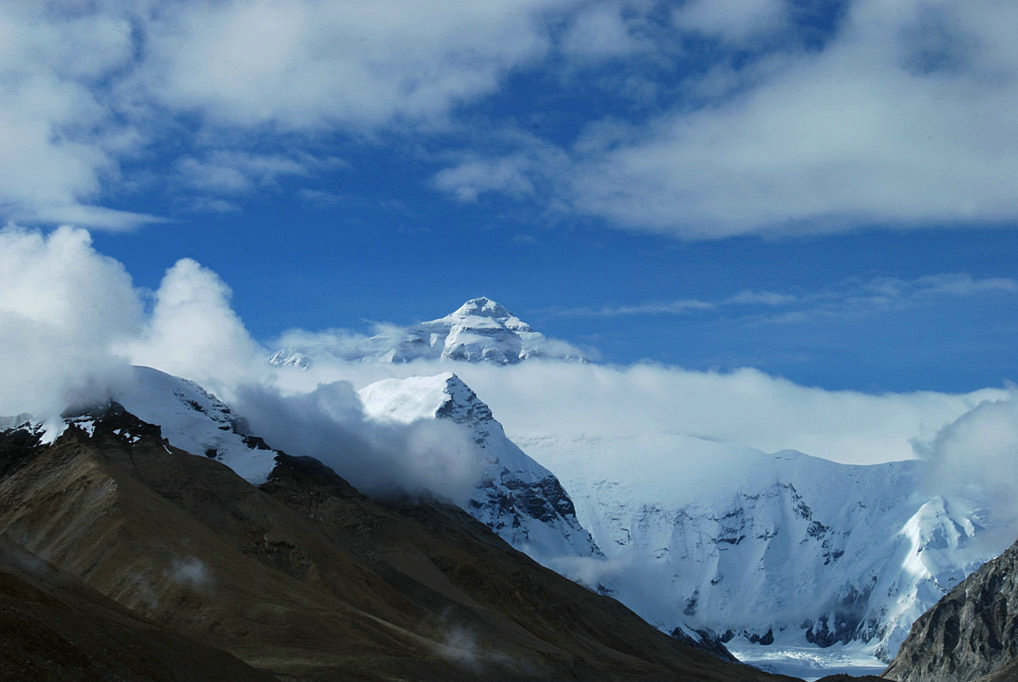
516, 497
522, 501
480, 330
770, 547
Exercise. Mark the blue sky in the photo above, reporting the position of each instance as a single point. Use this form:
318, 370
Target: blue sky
826, 195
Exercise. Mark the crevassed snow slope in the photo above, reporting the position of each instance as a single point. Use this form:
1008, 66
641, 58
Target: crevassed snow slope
518, 498
730, 538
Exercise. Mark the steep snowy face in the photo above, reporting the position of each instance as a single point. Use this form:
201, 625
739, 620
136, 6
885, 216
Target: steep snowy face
193, 420
770, 547
522, 501
481, 330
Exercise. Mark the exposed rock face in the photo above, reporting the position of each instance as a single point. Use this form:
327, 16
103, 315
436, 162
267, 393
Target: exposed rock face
303, 576
970, 633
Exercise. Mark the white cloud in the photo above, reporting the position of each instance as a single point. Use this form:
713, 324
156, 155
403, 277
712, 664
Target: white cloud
734, 21
848, 297
328, 423
311, 65
194, 333
191, 572
524, 174
509, 175
234, 172
901, 119
89, 86
849, 136
963, 284
62, 308
60, 140
975, 458
745, 407
568, 401
66, 310
601, 30
71, 320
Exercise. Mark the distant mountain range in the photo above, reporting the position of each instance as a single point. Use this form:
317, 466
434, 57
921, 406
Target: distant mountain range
766, 547
708, 542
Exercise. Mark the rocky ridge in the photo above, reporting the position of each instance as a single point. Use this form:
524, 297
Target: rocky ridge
970, 634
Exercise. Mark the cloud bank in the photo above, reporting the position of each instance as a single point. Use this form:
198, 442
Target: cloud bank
772, 118
898, 117
71, 323
975, 459
71, 320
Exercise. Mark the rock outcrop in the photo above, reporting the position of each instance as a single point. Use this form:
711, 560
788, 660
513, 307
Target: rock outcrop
970, 634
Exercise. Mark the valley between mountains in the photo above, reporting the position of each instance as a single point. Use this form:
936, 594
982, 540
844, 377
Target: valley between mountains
209, 540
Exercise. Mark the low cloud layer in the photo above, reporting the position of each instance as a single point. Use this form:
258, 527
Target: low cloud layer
62, 307
744, 407
383, 459
71, 323
975, 459
71, 319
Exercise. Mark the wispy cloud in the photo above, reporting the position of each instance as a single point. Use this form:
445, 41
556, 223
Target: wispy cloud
852, 296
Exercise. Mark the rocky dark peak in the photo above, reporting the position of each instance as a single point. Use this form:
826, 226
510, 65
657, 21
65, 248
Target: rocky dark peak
970, 633
18, 445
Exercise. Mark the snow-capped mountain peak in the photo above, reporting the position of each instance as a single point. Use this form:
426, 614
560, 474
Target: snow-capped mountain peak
191, 419
518, 498
480, 331
485, 307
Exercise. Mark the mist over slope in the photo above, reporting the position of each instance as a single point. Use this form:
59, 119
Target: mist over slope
303, 576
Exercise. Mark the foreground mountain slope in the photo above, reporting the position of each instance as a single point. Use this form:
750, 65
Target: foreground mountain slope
972, 633
306, 577
54, 627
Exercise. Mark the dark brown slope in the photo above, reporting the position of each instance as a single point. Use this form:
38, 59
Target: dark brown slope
54, 627
970, 634
306, 577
